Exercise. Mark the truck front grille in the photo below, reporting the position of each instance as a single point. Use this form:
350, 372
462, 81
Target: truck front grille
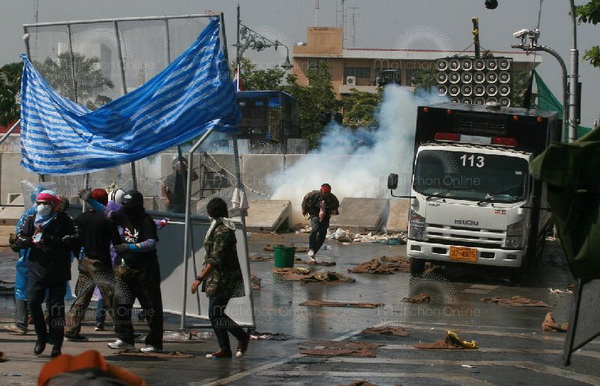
482, 238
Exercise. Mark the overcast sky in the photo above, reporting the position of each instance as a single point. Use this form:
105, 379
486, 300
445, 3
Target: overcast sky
369, 24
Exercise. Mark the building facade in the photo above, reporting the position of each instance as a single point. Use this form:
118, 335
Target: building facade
361, 68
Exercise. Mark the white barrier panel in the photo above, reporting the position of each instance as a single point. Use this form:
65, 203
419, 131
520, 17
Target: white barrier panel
170, 256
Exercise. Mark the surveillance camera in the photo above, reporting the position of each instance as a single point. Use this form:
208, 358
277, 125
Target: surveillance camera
521, 33
491, 4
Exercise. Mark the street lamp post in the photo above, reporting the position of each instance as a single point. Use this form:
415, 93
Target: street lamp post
248, 38
532, 45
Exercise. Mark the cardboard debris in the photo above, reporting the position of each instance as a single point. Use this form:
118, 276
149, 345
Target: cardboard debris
293, 273
260, 258
335, 348
549, 324
327, 277
375, 266
255, 280
515, 301
298, 260
451, 341
418, 298
172, 354
385, 330
328, 303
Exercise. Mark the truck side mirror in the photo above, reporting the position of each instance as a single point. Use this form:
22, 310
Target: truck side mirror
392, 181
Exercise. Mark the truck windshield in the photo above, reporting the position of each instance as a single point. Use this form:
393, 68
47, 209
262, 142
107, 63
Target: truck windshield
470, 176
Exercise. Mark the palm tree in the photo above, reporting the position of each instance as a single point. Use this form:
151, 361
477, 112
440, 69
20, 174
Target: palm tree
89, 78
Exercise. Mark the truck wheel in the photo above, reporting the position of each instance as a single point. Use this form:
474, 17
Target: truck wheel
417, 266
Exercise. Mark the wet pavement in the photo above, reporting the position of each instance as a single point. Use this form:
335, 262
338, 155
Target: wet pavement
512, 346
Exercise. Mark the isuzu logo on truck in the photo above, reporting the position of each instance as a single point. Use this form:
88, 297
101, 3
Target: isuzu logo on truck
466, 222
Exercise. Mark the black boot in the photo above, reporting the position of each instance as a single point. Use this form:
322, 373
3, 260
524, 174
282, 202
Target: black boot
56, 351
40, 346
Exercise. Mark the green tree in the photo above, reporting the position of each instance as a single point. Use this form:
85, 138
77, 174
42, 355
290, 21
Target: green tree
10, 84
423, 79
254, 79
316, 101
590, 13
360, 107
90, 79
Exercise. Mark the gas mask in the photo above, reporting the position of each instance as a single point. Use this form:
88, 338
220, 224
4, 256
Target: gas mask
44, 209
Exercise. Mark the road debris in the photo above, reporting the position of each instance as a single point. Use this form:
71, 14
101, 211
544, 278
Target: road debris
269, 336
385, 330
335, 348
164, 354
515, 301
549, 324
327, 277
344, 236
418, 298
559, 291
400, 264
329, 303
452, 341
255, 281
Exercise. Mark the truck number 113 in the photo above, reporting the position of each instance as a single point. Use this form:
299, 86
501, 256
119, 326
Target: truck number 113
472, 160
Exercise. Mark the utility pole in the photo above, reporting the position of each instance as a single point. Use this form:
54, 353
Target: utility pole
476, 36
574, 81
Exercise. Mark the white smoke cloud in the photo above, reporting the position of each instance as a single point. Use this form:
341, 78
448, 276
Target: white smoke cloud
354, 169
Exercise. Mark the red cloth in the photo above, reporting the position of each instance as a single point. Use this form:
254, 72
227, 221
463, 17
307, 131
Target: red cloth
45, 196
100, 195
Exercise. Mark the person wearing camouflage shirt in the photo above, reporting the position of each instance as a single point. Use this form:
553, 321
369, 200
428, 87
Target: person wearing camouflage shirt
319, 205
222, 279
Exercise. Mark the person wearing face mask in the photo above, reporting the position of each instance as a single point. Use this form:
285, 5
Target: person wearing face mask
21, 272
138, 275
51, 235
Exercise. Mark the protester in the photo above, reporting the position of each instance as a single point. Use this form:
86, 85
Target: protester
138, 275
96, 233
174, 187
222, 279
87, 368
21, 272
51, 234
319, 205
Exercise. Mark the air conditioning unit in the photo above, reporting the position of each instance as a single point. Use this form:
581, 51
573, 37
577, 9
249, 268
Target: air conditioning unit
351, 80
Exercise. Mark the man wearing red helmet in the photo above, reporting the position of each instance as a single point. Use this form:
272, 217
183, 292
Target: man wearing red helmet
52, 237
319, 205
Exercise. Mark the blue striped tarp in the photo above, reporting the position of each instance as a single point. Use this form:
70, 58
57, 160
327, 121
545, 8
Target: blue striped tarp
192, 95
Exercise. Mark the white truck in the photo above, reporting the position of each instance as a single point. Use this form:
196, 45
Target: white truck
472, 199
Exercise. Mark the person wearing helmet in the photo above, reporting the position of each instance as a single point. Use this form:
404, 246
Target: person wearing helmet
51, 236
174, 186
319, 205
21, 313
96, 233
138, 275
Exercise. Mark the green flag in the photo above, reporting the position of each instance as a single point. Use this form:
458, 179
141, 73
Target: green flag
547, 101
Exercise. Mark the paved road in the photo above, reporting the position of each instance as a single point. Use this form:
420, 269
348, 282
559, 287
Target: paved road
512, 347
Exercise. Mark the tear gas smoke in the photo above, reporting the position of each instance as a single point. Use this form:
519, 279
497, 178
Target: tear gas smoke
353, 168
